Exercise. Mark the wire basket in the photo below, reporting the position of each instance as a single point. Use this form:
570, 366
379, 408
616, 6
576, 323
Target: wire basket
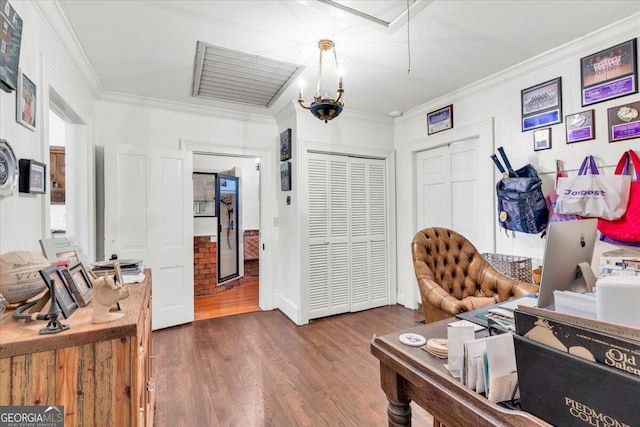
516, 267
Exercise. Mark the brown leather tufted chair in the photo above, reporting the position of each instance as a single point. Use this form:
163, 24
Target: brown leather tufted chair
453, 277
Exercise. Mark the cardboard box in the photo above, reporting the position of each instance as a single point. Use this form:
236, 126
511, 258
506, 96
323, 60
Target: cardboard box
566, 390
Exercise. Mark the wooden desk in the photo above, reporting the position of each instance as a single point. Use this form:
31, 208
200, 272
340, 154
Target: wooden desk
100, 373
410, 373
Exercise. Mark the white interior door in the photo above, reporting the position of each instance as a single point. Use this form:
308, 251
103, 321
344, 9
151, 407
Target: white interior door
448, 196
148, 216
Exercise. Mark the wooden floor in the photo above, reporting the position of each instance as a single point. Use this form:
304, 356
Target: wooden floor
240, 299
260, 369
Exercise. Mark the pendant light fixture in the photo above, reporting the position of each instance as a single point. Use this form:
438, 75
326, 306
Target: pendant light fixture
323, 106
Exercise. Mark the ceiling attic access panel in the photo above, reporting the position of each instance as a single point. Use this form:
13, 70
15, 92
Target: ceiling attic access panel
240, 77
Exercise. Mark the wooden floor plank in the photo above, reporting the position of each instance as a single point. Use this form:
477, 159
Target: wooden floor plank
260, 369
237, 300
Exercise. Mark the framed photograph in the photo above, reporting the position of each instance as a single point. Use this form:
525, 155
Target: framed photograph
11, 40
57, 284
440, 120
542, 139
580, 126
609, 74
26, 102
33, 176
204, 194
623, 122
79, 283
541, 104
285, 145
285, 176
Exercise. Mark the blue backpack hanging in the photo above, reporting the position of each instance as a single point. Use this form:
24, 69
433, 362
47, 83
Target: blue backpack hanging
521, 203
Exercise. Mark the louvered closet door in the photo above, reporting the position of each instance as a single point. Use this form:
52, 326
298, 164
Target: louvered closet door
328, 235
347, 235
368, 244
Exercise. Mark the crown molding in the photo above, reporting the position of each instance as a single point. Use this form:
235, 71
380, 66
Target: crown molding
589, 43
116, 97
61, 29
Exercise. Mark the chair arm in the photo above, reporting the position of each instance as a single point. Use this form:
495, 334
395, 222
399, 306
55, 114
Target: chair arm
505, 286
434, 295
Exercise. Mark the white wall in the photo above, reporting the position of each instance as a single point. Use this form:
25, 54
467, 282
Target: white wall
23, 217
498, 98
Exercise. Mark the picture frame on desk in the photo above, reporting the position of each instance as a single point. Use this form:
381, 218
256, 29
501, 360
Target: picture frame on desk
57, 283
79, 283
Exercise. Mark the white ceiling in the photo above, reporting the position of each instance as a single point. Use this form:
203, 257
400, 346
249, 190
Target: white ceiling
147, 48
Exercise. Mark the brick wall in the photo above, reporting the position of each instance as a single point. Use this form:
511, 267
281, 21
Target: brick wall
205, 263
205, 266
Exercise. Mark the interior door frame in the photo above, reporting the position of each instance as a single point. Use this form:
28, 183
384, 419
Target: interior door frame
267, 255
484, 132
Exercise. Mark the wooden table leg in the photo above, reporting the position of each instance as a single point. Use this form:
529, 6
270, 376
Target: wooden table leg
398, 408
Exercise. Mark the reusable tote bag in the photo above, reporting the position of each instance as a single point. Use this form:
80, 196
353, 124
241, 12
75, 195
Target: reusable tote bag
590, 194
625, 230
552, 199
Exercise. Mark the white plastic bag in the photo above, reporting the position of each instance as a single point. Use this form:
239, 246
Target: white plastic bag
589, 194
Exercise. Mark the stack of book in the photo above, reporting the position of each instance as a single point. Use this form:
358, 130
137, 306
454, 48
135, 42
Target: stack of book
127, 266
577, 371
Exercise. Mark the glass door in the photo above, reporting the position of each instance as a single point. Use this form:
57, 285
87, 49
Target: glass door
227, 211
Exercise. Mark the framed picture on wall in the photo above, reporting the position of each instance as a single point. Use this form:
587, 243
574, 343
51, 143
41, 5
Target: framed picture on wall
285, 176
541, 104
580, 126
609, 74
542, 139
33, 176
440, 120
285, 145
624, 122
26, 97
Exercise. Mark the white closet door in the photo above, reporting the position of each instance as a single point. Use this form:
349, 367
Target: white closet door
347, 235
369, 284
328, 235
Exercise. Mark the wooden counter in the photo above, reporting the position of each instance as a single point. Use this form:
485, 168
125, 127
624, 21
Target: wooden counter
101, 373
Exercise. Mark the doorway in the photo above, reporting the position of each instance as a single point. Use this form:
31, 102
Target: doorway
226, 243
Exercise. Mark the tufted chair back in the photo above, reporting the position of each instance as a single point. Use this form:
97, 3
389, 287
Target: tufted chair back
453, 277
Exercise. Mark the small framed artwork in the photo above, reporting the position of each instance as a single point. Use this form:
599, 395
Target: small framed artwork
26, 102
33, 176
440, 120
609, 74
285, 176
542, 139
58, 286
580, 126
204, 194
79, 283
285, 145
623, 122
541, 104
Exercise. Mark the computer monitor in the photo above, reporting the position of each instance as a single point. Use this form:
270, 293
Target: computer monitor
567, 259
